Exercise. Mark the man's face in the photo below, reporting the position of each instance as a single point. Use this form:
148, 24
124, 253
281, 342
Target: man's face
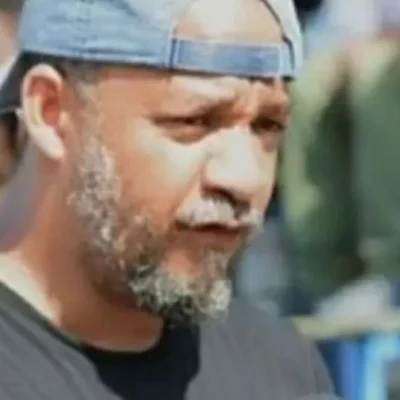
169, 173
172, 175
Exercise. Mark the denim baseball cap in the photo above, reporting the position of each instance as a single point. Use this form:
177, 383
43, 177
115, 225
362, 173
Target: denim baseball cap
142, 33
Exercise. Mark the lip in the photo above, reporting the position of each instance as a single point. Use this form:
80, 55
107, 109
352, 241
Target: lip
216, 234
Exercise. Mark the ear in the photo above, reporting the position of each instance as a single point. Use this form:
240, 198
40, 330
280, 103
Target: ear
42, 94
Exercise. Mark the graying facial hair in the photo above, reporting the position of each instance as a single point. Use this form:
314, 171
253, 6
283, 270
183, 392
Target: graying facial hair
125, 255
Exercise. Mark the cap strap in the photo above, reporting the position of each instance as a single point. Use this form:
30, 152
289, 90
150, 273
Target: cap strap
270, 61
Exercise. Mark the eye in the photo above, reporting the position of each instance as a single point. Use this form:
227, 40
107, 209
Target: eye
270, 132
265, 125
186, 128
185, 121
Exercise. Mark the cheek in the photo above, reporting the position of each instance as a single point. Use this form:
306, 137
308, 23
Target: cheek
158, 173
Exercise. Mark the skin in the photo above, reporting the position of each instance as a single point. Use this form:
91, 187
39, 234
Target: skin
155, 146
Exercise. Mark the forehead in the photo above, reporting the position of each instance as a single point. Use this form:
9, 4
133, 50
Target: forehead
226, 89
149, 88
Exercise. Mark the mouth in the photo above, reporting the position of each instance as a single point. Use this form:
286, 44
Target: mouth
216, 234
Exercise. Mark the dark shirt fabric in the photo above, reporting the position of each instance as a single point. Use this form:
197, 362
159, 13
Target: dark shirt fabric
248, 356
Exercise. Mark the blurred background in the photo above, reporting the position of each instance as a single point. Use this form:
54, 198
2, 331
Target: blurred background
329, 256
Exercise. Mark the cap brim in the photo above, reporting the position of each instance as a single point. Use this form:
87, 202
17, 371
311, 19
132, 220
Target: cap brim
10, 84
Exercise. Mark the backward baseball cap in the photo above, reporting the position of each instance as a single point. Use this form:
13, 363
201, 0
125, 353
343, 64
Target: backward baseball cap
142, 33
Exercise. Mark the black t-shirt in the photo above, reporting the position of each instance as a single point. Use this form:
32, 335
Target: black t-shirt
249, 356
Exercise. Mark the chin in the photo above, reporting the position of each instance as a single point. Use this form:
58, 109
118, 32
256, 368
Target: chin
186, 295
194, 262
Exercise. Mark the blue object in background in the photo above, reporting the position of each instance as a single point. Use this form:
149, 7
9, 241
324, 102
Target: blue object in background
359, 366
380, 351
345, 361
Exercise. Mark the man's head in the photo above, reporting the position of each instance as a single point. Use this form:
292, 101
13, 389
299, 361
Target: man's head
164, 171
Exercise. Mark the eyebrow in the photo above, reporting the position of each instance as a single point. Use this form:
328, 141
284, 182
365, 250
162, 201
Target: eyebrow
282, 111
194, 105
275, 106
190, 95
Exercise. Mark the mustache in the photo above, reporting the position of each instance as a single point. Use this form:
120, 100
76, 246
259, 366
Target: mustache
216, 211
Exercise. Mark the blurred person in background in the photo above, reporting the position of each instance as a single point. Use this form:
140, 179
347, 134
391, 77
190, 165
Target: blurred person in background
9, 141
12, 136
9, 15
9, 146
306, 8
336, 22
340, 179
261, 273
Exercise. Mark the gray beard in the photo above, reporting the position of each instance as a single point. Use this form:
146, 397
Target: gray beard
177, 299
125, 257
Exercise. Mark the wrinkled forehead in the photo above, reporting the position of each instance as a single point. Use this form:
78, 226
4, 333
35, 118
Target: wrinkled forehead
217, 89
176, 93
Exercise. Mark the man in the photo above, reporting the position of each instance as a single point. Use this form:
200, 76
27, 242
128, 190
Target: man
153, 135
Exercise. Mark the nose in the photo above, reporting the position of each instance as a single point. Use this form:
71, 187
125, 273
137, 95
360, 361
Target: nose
235, 168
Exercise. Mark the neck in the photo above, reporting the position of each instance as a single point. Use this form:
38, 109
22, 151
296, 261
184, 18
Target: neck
44, 271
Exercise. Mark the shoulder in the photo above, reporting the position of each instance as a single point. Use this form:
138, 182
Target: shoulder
263, 342
256, 329
246, 318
